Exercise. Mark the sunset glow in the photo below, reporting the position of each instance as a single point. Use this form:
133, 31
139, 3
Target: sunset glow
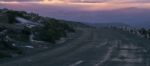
82, 4
52, 1
40, 2
15, 2
46, 1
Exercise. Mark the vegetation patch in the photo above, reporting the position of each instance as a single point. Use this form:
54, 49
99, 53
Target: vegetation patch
29, 28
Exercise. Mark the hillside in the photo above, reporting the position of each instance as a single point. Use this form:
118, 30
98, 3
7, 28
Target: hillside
76, 24
21, 30
117, 45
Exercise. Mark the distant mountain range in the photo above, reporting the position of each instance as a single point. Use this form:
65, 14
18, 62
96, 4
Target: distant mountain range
138, 26
108, 24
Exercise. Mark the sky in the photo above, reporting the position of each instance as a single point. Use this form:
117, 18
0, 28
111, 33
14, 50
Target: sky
93, 11
86, 1
89, 4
